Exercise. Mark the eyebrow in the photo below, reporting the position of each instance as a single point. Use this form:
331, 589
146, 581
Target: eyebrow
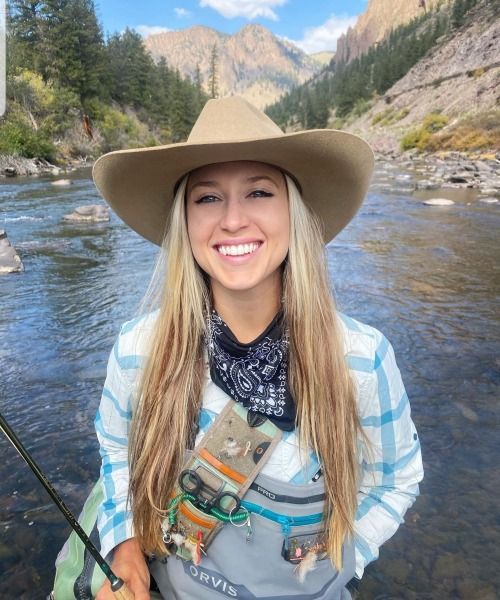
252, 179
204, 184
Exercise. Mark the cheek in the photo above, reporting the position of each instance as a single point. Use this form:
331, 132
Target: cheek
195, 235
278, 225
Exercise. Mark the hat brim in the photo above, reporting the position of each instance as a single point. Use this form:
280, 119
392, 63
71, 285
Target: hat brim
333, 169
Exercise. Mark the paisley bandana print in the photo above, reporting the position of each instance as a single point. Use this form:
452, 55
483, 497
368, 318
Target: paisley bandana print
254, 374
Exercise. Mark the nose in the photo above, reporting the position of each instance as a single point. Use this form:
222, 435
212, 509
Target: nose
234, 216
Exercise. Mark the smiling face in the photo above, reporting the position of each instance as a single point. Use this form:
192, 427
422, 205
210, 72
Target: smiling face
238, 225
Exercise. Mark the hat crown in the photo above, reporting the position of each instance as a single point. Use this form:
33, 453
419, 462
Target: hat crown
231, 119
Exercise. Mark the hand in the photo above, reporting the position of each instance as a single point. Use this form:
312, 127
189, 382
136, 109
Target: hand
129, 564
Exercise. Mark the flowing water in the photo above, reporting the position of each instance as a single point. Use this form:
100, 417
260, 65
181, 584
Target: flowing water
428, 277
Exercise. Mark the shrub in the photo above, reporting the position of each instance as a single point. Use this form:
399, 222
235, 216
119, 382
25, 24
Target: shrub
416, 138
420, 138
389, 116
476, 73
381, 115
360, 107
18, 137
434, 122
401, 114
121, 130
480, 131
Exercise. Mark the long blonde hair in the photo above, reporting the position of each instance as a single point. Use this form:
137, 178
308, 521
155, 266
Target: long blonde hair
172, 381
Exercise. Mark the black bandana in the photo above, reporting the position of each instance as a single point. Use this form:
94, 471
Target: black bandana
255, 374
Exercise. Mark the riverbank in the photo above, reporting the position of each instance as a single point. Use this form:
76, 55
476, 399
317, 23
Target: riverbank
413, 171
394, 172
13, 166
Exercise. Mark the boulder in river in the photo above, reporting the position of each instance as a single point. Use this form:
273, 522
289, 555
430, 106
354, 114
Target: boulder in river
459, 178
9, 259
89, 213
438, 202
62, 182
489, 200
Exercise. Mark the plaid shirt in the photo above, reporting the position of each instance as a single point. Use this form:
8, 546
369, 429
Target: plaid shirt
390, 468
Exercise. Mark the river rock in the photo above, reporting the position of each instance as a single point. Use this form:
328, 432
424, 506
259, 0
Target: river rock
10, 171
459, 178
9, 259
438, 202
488, 200
62, 182
89, 213
467, 412
428, 185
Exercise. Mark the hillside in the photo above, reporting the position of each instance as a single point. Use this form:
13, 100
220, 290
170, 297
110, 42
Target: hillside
458, 79
376, 22
431, 84
253, 62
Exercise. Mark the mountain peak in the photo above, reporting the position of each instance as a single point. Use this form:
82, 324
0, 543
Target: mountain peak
255, 27
253, 62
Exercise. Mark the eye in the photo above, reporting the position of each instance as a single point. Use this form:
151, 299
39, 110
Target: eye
206, 199
261, 194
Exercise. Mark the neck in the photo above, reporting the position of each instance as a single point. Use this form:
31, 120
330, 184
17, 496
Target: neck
247, 313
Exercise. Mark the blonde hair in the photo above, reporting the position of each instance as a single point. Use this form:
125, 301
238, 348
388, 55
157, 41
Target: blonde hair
171, 386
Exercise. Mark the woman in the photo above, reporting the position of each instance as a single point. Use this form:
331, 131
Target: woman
246, 319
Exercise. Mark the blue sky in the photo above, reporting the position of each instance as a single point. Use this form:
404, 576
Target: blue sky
314, 25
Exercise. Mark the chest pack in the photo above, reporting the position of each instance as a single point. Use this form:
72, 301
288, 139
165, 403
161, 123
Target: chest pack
216, 477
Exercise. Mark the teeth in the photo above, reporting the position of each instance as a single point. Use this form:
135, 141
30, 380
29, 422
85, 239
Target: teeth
239, 250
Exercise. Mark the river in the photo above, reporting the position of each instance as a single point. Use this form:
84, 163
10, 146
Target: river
428, 277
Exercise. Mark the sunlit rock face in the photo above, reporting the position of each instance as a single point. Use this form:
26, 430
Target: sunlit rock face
253, 62
376, 22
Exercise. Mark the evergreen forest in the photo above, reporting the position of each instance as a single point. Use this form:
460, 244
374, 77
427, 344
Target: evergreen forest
72, 93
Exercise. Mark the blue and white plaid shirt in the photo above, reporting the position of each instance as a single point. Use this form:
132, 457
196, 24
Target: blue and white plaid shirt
391, 466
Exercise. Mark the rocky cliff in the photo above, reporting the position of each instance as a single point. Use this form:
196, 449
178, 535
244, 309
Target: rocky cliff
253, 62
376, 22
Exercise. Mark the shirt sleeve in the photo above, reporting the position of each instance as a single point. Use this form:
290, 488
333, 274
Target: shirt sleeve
391, 461
112, 423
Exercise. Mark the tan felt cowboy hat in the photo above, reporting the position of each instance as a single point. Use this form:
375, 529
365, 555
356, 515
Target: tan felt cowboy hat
333, 168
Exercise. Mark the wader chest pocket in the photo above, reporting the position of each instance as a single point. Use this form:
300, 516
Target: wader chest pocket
296, 547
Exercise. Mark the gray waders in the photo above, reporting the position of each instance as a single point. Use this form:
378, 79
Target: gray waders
263, 560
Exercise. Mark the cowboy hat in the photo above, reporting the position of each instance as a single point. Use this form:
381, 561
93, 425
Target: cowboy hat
332, 168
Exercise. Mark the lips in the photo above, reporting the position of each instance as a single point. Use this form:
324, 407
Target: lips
238, 249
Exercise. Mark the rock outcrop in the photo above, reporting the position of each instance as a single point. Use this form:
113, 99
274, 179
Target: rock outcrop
89, 213
253, 62
9, 259
376, 23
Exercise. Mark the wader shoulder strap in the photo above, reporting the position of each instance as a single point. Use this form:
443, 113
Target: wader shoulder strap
216, 476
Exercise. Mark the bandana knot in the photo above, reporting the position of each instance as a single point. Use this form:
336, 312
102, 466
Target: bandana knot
254, 374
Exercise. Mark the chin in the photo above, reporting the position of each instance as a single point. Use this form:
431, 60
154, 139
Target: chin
238, 283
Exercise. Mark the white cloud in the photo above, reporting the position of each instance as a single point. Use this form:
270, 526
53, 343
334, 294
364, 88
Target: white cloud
324, 37
146, 30
249, 9
182, 12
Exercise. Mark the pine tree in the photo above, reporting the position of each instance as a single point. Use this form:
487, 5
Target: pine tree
213, 78
24, 33
130, 70
197, 81
458, 13
71, 46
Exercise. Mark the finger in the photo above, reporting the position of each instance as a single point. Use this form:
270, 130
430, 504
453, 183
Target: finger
104, 592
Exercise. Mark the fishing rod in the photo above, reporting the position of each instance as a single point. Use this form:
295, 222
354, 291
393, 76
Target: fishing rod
118, 586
